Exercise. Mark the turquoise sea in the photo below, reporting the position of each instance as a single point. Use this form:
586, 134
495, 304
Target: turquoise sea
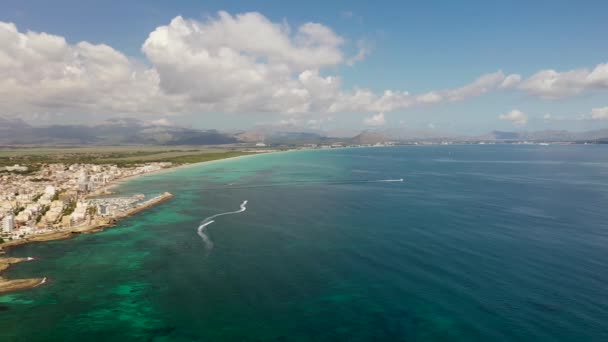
479, 243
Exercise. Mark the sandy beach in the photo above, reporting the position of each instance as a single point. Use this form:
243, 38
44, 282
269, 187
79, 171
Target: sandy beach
115, 183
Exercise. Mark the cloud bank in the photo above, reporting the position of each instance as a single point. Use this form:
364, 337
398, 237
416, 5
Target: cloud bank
551, 84
241, 63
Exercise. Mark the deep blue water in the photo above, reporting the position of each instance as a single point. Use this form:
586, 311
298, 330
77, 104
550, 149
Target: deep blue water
479, 243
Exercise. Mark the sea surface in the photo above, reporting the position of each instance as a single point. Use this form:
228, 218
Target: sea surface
478, 243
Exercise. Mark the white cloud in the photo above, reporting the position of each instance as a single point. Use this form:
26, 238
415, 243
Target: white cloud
217, 65
42, 73
375, 120
515, 116
162, 122
551, 84
207, 66
510, 81
480, 86
599, 113
363, 50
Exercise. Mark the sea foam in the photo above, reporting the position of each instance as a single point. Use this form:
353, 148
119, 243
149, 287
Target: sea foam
209, 220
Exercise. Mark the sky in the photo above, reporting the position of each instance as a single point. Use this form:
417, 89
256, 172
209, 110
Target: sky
464, 67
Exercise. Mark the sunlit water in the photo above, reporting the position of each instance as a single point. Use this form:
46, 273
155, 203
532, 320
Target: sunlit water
479, 243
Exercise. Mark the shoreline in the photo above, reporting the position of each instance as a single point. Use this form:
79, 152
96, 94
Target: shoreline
12, 285
106, 190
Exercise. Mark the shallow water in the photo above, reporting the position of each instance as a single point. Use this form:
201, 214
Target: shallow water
479, 243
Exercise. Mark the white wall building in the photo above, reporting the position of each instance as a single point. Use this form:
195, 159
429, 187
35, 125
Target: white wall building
8, 223
49, 190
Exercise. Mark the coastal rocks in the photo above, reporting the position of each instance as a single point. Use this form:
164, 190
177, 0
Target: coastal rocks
19, 284
7, 285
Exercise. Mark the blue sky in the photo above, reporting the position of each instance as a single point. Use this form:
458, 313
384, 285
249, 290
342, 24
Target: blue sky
418, 47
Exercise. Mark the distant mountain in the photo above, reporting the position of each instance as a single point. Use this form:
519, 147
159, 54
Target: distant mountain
10, 124
402, 135
282, 135
129, 131
119, 131
366, 138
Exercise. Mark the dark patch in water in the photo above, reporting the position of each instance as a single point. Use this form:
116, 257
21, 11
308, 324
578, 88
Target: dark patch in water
544, 307
160, 332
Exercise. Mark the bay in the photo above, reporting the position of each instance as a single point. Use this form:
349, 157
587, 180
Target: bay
478, 243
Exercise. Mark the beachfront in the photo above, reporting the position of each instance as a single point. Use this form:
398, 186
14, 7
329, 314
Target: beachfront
59, 201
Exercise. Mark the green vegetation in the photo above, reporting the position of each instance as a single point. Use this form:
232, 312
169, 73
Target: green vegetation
123, 156
43, 212
69, 209
40, 179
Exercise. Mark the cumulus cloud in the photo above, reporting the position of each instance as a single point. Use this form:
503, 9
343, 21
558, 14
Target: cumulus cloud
201, 66
375, 120
216, 64
42, 72
515, 116
599, 113
551, 84
510, 81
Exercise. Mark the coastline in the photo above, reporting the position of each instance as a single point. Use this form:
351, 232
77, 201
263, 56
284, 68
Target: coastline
107, 190
11, 285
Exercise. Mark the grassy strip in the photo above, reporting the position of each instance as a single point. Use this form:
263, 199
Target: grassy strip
121, 157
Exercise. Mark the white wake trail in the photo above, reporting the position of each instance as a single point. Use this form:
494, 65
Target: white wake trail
209, 220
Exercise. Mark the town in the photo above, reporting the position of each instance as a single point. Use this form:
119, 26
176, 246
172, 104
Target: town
60, 197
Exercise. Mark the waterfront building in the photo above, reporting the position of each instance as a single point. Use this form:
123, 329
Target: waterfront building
8, 223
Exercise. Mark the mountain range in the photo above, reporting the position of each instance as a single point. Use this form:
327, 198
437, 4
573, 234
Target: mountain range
129, 131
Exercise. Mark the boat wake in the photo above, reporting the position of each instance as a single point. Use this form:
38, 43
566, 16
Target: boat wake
209, 220
42, 282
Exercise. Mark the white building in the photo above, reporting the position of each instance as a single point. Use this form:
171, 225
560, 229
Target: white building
50, 190
8, 223
16, 167
80, 212
83, 177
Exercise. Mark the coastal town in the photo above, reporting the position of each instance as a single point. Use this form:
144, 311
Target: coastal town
60, 198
